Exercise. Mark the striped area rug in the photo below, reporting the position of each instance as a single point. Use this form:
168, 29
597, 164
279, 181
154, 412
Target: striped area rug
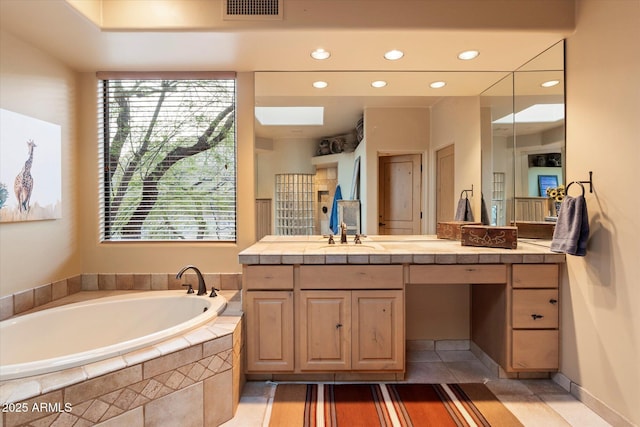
371, 405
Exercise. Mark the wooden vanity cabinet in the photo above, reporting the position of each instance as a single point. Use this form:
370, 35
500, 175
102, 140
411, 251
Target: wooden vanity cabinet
324, 318
351, 318
268, 307
361, 330
514, 310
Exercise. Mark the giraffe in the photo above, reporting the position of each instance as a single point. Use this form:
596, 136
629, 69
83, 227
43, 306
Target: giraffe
24, 181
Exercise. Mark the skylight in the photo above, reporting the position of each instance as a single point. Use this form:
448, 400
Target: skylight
290, 116
537, 113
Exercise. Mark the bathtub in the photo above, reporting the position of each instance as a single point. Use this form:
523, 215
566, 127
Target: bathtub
80, 333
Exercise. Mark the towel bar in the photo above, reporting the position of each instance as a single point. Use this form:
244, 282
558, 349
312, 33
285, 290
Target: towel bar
590, 182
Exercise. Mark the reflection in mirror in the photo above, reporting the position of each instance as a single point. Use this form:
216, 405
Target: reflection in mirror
497, 150
348, 97
525, 142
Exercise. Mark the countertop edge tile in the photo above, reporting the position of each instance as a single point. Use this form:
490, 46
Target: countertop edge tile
416, 249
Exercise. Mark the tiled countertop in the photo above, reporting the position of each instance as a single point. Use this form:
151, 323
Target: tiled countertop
420, 249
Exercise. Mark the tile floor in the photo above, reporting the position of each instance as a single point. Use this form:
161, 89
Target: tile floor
534, 402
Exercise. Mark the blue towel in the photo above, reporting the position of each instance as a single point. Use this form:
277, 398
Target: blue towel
572, 228
333, 220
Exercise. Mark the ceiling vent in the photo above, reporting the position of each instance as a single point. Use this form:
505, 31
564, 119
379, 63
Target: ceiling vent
252, 10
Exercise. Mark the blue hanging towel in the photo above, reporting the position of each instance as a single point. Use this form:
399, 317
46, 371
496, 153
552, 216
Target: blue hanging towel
333, 220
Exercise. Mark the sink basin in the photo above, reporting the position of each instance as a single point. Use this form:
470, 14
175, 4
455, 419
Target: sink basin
351, 247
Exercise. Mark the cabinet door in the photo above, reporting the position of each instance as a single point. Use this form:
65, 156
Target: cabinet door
269, 331
325, 330
378, 330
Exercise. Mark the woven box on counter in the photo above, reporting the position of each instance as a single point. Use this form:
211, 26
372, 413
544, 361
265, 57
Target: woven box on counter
489, 237
451, 229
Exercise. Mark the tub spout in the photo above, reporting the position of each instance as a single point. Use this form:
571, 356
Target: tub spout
202, 289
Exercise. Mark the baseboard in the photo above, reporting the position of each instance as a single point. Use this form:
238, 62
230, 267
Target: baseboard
590, 401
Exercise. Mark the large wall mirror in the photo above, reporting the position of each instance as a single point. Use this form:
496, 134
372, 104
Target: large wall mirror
514, 147
524, 140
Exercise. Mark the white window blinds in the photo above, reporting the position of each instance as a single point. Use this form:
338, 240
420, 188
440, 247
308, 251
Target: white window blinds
168, 157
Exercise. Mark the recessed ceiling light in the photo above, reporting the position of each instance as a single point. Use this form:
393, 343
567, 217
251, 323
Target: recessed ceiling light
379, 83
320, 84
468, 54
394, 55
320, 54
437, 85
550, 83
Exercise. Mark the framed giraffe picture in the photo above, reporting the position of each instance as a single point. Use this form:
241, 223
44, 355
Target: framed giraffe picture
30, 168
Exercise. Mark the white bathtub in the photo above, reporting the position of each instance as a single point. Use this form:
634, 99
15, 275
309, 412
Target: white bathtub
77, 334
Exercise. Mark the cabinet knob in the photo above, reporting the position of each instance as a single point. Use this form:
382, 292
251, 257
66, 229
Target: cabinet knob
553, 301
536, 316
339, 325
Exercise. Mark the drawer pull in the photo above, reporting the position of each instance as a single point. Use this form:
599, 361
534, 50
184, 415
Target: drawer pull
536, 316
553, 301
339, 325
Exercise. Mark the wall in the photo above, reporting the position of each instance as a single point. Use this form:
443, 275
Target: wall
389, 131
456, 120
285, 156
600, 316
39, 252
453, 121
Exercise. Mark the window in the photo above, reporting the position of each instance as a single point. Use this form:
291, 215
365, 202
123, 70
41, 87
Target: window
168, 157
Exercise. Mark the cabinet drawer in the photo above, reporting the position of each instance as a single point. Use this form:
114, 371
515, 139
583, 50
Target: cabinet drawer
268, 277
535, 308
351, 277
535, 276
462, 274
535, 350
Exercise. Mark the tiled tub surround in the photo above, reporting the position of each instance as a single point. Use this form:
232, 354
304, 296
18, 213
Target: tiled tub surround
24, 301
110, 326
194, 379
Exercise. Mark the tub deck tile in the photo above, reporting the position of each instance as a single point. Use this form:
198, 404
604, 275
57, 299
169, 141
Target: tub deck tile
172, 345
57, 380
199, 335
17, 390
102, 367
142, 355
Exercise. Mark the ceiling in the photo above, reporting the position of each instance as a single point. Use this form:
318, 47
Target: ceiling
133, 35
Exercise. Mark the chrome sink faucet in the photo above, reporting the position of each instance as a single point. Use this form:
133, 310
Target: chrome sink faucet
202, 289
